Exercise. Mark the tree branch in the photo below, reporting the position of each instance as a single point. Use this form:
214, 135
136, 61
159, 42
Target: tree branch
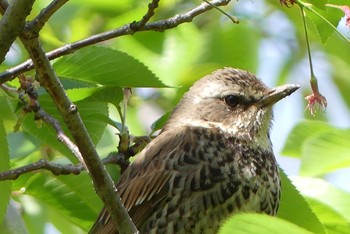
103, 183
176, 20
121, 159
160, 25
61, 136
57, 169
12, 23
38, 22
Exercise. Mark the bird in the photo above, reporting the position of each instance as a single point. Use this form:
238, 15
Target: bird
212, 159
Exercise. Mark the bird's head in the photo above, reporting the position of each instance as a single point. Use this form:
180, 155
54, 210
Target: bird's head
231, 99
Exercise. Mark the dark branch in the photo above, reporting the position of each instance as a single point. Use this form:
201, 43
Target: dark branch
160, 25
121, 159
12, 23
33, 105
61, 136
151, 9
12, 92
176, 20
57, 169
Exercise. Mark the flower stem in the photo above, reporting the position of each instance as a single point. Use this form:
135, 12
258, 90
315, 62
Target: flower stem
313, 78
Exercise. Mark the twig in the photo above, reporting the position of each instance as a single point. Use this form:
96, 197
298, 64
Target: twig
12, 23
57, 169
176, 20
160, 25
38, 22
151, 9
61, 136
12, 92
232, 18
33, 105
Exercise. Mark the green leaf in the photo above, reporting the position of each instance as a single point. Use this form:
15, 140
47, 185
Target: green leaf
87, 110
72, 196
333, 221
35, 213
82, 186
105, 119
300, 133
159, 123
181, 47
341, 78
21, 144
104, 66
259, 224
46, 135
328, 195
105, 5
62, 223
233, 47
324, 28
325, 152
112, 95
13, 222
338, 2
295, 209
7, 107
318, 3
5, 186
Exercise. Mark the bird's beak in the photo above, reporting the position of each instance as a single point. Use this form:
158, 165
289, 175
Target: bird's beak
277, 93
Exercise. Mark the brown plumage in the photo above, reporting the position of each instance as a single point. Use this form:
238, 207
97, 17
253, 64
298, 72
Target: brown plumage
212, 159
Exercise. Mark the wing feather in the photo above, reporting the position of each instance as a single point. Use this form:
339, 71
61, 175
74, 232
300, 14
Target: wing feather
144, 184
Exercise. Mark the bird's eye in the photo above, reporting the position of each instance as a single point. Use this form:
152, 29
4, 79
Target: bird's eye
231, 100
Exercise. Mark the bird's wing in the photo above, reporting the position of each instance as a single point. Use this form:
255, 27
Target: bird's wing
144, 183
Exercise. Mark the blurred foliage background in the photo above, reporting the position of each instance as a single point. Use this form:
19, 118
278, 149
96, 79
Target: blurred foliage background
269, 41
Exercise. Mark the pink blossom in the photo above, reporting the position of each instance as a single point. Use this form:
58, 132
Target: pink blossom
346, 10
318, 100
